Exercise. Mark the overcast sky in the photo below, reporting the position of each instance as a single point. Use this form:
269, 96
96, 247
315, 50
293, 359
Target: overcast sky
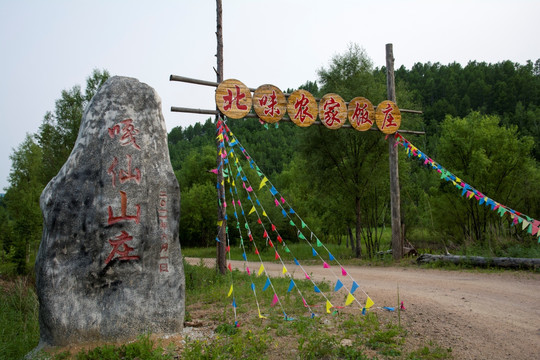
50, 46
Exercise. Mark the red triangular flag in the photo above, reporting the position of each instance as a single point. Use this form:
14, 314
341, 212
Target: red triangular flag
230, 268
273, 227
279, 239
270, 243
256, 251
265, 234
228, 248
250, 237
277, 256
259, 221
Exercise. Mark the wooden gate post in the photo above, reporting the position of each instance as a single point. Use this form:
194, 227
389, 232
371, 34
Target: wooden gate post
395, 198
221, 259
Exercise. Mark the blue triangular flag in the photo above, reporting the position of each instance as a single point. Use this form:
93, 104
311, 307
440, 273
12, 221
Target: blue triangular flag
234, 303
249, 197
354, 287
267, 284
284, 213
313, 252
217, 239
235, 215
244, 256
291, 286
244, 178
253, 286
257, 201
273, 190
291, 211
296, 261
331, 257
226, 218
316, 289
338, 286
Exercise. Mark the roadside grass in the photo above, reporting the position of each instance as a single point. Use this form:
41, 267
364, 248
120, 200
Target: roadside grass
343, 334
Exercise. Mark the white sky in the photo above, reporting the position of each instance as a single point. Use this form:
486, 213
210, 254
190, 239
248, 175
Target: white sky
49, 46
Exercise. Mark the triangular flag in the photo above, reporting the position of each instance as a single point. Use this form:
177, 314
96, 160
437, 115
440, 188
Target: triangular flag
267, 284
343, 272
264, 213
307, 276
350, 299
249, 189
291, 223
259, 221
319, 243
220, 223
270, 243
303, 224
244, 256
282, 200
260, 316
369, 303
230, 291
234, 303
279, 239
261, 269
263, 182
305, 303
286, 249
273, 227
251, 211
354, 287
331, 257
275, 299
328, 306
229, 266
284, 213
247, 269
291, 286
301, 236
316, 289
256, 251
296, 261
338, 286
277, 256
291, 211
265, 234
325, 265
313, 252
273, 190
253, 286
276, 202
525, 224
284, 269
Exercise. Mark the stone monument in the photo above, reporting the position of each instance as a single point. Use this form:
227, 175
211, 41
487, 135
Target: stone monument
109, 266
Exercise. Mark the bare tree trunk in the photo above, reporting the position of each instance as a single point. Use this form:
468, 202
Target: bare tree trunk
351, 240
358, 252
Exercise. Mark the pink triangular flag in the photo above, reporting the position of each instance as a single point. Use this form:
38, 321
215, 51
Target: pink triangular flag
275, 300
304, 301
247, 269
276, 202
249, 189
282, 200
325, 265
214, 171
307, 276
343, 272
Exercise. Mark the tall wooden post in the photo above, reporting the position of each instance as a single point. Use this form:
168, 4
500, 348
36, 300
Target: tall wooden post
395, 198
221, 259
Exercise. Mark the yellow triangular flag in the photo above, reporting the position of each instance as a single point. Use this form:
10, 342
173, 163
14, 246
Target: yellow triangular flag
264, 213
230, 291
233, 184
260, 316
236, 160
284, 269
252, 210
328, 306
261, 269
525, 224
220, 223
369, 303
219, 137
350, 299
263, 181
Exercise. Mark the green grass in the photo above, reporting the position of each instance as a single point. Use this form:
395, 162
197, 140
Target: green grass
344, 334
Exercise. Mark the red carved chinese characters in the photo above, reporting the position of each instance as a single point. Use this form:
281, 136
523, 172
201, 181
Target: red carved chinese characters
330, 110
123, 212
388, 117
361, 115
128, 131
229, 99
163, 217
124, 175
269, 103
302, 109
120, 248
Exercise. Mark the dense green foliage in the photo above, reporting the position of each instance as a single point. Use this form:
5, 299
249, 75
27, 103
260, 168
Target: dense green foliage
482, 123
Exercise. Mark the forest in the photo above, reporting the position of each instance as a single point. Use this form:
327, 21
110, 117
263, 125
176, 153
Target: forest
481, 122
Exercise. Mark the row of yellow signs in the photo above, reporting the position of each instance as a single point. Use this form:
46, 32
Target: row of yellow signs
234, 100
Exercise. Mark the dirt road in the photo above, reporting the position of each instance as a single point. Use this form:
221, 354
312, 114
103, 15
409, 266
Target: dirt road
478, 315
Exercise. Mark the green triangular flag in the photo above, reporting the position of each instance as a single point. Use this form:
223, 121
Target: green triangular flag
291, 223
319, 243
303, 224
286, 249
301, 236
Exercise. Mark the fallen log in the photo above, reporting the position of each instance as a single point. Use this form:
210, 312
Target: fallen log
503, 262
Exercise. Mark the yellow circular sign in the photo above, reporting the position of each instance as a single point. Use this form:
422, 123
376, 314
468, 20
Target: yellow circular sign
233, 99
361, 113
388, 117
332, 111
269, 103
302, 108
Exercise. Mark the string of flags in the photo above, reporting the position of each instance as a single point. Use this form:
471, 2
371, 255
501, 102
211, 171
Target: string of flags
233, 172
527, 223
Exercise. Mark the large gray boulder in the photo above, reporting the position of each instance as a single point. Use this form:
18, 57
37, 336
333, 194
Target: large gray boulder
109, 266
